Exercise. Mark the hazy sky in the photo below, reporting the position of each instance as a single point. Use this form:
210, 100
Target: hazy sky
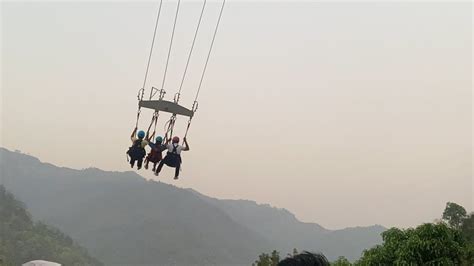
344, 113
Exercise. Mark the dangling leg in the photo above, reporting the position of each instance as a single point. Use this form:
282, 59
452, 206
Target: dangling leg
158, 170
139, 163
178, 167
146, 162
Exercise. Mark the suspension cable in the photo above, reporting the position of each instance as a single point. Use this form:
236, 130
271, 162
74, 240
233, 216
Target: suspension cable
152, 45
210, 50
141, 92
171, 44
192, 47
195, 104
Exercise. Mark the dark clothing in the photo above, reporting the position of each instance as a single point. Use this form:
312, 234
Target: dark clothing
155, 154
139, 162
136, 153
172, 159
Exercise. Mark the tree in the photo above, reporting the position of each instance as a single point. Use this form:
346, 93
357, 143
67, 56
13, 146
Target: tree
275, 257
267, 260
454, 214
467, 228
428, 244
23, 240
341, 261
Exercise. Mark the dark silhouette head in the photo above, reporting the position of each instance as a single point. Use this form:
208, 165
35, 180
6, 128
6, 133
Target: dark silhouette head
305, 259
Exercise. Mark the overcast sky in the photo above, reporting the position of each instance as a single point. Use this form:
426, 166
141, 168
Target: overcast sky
344, 113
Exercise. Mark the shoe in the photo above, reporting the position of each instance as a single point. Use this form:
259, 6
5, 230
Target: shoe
157, 174
146, 167
139, 167
175, 178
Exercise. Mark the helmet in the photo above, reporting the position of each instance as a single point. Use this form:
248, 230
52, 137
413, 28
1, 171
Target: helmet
176, 139
141, 134
159, 139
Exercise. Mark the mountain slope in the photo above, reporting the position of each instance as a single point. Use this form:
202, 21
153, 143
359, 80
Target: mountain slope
22, 240
286, 232
124, 219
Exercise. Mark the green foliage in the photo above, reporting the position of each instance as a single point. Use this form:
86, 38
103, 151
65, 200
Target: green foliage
341, 261
295, 252
428, 244
467, 228
22, 240
268, 260
454, 214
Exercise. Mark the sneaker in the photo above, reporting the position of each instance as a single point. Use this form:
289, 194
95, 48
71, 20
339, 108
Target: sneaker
156, 173
175, 178
146, 166
139, 167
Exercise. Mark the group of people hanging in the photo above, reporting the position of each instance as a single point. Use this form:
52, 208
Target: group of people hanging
141, 140
137, 152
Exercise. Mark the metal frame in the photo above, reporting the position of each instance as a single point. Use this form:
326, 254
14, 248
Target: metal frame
166, 106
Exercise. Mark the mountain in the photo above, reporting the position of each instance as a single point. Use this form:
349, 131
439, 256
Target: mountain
22, 240
124, 219
281, 227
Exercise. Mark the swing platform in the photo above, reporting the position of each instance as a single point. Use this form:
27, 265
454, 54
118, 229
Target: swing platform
166, 106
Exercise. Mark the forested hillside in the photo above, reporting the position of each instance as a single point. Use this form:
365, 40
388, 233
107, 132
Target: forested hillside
23, 240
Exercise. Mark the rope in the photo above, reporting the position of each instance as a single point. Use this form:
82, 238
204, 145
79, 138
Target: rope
195, 105
141, 92
170, 124
139, 97
192, 47
194, 108
154, 120
210, 50
152, 45
171, 44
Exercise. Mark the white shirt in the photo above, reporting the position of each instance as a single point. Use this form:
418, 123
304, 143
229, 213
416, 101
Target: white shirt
171, 146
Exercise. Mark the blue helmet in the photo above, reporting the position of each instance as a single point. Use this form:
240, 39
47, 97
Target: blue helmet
159, 139
141, 134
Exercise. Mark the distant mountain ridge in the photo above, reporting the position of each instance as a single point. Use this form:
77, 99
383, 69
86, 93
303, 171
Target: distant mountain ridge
274, 223
123, 219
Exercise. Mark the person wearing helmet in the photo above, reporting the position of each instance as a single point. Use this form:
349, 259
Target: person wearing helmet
173, 156
155, 154
137, 151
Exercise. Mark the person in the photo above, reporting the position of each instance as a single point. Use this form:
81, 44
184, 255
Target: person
305, 259
173, 156
137, 151
155, 154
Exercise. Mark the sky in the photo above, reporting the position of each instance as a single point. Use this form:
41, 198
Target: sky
344, 113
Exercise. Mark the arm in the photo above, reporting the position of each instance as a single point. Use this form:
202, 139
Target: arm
133, 133
152, 145
186, 148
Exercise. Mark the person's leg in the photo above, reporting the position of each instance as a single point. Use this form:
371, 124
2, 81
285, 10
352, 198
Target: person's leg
158, 170
176, 171
154, 166
139, 163
146, 162
132, 162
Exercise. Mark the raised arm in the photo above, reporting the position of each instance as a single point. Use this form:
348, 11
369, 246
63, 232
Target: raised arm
133, 133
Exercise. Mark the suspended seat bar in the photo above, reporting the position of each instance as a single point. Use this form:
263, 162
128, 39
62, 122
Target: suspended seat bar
166, 106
